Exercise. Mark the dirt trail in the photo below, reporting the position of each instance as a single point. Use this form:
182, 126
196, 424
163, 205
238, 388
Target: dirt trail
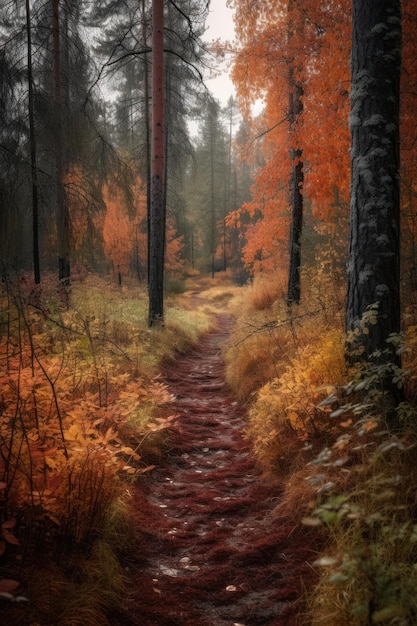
215, 553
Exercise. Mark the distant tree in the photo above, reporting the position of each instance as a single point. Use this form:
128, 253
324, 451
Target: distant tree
62, 221
184, 59
242, 179
33, 150
373, 270
206, 183
157, 222
12, 126
230, 113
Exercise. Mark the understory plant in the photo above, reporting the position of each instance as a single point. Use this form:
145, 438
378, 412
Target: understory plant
83, 414
325, 426
365, 502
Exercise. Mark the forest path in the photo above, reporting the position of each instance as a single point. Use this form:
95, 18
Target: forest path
214, 552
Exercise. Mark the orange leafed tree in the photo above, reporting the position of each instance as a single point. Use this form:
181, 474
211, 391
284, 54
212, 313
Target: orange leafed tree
174, 262
125, 236
320, 44
316, 58
123, 233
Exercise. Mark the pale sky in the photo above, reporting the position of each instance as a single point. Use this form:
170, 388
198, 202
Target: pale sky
220, 25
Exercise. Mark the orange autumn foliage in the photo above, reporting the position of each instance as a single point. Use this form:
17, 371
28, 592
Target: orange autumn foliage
283, 42
124, 233
314, 40
121, 222
66, 403
174, 262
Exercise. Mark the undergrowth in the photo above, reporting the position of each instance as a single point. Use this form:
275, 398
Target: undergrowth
325, 428
83, 416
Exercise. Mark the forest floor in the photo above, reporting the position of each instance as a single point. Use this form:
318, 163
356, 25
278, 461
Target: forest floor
215, 550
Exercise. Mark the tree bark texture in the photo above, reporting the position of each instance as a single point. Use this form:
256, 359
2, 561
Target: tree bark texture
157, 209
62, 219
147, 125
373, 268
295, 108
32, 142
297, 209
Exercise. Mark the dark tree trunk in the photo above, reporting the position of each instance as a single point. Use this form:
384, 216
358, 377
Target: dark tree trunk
296, 201
62, 219
157, 212
147, 127
212, 206
295, 108
32, 141
373, 269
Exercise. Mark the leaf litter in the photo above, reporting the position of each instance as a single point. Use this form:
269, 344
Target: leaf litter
215, 550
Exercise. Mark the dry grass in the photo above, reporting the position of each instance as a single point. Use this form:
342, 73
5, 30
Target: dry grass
265, 292
82, 410
343, 473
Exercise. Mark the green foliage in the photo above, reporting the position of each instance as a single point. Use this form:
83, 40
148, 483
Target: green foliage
365, 499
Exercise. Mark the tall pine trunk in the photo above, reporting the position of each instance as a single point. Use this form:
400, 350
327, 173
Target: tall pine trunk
147, 127
374, 259
62, 217
157, 209
32, 142
295, 108
296, 204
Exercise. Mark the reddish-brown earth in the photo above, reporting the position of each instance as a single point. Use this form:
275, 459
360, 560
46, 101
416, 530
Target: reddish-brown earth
215, 552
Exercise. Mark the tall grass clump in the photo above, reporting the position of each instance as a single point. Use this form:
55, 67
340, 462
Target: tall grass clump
257, 350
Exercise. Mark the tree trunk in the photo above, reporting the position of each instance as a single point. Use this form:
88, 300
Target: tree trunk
296, 201
62, 219
147, 129
32, 142
374, 269
295, 108
212, 205
157, 221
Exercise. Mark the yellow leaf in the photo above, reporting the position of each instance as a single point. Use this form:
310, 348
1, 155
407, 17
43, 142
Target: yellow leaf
389, 613
73, 433
130, 452
146, 469
311, 521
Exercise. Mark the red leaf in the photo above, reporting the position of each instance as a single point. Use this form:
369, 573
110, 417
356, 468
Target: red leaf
6, 584
10, 523
10, 538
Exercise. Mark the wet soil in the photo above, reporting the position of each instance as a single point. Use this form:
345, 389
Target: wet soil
215, 552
